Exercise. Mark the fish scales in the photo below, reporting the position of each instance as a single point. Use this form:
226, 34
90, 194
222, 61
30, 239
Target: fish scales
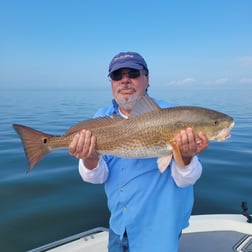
130, 138
144, 136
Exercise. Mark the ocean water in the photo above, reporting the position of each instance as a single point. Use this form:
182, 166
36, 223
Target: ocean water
52, 202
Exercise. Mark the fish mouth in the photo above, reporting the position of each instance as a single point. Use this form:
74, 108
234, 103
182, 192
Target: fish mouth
225, 133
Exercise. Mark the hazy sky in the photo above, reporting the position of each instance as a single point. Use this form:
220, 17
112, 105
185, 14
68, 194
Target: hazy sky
61, 43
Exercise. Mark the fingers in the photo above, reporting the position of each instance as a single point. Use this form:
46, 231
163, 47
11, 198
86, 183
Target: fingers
92, 150
83, 145
188, 144
203, 144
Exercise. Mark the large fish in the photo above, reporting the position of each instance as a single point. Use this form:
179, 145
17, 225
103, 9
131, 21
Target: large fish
149, 132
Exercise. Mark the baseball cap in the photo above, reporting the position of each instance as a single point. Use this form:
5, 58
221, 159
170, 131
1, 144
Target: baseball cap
127, 60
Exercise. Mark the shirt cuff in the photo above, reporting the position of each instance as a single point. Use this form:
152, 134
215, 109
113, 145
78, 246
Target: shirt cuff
98, 175
82, 165
187, 168
188, 175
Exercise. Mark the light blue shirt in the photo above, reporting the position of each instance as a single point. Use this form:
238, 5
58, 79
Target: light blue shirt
144, 202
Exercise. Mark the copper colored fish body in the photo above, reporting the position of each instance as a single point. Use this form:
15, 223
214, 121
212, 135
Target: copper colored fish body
149, 132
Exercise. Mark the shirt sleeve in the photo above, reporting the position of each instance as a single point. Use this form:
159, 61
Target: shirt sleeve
98, 175
185, 176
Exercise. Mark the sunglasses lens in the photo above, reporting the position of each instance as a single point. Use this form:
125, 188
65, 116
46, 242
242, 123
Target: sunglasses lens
117, 75
133, 74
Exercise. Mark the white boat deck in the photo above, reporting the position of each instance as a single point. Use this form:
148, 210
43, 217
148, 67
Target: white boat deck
206, 233
224, 233
93, 242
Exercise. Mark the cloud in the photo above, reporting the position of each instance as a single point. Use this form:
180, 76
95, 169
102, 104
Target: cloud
246, 61
188, 80
246, 80
221, 80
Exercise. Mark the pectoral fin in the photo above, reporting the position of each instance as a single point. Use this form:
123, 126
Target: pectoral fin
177, 155
163, 162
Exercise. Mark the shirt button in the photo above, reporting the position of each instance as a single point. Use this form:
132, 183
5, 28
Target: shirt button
125, 208
121, 189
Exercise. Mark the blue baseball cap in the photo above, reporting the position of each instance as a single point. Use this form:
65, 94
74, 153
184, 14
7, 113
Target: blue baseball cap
127, 60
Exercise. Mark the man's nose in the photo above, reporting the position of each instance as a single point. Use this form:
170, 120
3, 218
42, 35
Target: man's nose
125, 76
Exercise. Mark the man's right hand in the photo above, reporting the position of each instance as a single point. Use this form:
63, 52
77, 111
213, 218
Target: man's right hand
83, 147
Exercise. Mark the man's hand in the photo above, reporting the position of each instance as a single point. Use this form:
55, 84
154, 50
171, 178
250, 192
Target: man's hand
189, 146
83, 147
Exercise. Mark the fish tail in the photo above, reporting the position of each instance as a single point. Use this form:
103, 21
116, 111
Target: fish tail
35, 143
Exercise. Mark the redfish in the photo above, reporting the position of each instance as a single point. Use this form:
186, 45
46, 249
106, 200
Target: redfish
150, 131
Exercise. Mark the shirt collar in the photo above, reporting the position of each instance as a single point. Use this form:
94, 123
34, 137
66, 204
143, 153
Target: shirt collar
117, 110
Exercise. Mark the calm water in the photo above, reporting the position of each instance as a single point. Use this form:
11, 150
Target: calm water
52, 202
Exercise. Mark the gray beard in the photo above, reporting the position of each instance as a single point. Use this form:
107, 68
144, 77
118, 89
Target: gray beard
127, 103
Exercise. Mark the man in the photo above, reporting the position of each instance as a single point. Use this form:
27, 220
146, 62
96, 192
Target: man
148, 209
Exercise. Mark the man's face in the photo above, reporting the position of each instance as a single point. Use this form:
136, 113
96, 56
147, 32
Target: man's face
127, 86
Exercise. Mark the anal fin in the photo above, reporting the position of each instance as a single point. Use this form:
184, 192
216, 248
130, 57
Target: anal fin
177, 155
163, 162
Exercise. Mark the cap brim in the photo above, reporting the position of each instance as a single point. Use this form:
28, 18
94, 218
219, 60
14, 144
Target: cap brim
126, 65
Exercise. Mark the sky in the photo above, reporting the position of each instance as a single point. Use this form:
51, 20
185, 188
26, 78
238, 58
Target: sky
69, 44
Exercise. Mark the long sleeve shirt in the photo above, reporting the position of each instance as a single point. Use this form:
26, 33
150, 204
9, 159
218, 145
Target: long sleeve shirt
152, 207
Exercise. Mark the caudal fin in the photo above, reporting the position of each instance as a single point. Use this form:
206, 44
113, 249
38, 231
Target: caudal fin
34, 143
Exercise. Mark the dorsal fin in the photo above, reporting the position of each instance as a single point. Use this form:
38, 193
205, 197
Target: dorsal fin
93, 123
144, 104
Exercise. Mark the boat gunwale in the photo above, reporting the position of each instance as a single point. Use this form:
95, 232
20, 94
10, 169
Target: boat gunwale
71, 238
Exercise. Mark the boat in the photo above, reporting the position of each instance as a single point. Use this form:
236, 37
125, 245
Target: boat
220, 232
208, 233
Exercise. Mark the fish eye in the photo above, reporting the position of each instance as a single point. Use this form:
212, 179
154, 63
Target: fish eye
215, 122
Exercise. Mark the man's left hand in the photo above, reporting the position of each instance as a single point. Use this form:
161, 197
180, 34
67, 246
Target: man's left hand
190, 146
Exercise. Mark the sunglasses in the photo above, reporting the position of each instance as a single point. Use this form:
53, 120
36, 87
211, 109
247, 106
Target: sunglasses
118, 75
